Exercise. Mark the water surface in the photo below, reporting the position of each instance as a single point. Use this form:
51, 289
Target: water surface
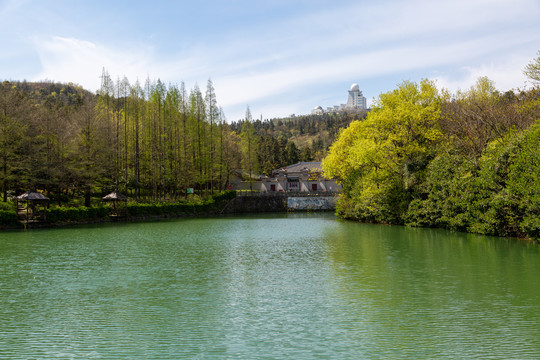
294, 286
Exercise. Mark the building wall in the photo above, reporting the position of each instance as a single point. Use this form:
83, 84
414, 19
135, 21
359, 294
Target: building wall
304, 186
304, 177
246, 185
266, 186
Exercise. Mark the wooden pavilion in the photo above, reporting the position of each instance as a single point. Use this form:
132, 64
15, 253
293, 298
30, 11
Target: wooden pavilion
32, 206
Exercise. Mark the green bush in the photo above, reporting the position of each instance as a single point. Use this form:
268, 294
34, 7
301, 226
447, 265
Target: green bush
6, 206
449, 190
531, 226
523, 182
499, 194
66, 214
224, 195
140, 209
8, 217
177, 208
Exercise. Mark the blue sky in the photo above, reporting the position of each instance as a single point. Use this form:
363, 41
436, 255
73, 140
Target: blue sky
278, 56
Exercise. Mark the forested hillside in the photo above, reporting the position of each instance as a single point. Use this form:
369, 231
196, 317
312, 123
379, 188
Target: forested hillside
468, 161
286, 141
149, 140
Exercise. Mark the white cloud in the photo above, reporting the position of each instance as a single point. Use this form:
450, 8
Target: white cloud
79, 61
360, 66
407, 36
296, 58
507, 75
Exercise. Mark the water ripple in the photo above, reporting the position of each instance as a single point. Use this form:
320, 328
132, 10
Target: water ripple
266, 287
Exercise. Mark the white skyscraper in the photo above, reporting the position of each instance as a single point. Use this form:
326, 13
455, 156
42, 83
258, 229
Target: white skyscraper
356, 100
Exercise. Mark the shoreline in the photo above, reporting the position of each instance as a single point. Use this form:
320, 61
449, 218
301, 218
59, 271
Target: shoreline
236, 205
205, 214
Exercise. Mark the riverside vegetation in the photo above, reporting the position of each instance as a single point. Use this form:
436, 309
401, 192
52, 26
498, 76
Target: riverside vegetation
149, 141
423, 157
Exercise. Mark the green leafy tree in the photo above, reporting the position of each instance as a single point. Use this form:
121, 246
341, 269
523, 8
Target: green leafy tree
305, 154
249, 145
197, 119
212, 116
13, 105
524, 182
532, 70
381, 160
293, 154
269, 154
89, 149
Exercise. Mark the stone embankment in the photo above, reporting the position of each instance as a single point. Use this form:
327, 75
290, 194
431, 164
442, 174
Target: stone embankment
262, 203
311, 203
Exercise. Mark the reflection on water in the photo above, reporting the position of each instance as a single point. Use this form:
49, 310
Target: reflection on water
294, 286
438, 294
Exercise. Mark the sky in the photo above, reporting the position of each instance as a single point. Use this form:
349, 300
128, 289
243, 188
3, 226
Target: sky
279, 57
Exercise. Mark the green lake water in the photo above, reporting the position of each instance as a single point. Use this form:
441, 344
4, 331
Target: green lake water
286, 286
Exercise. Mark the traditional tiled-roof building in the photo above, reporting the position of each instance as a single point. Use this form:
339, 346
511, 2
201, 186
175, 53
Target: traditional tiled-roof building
301, 177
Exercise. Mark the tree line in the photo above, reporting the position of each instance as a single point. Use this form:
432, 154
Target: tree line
423, 157
151, 141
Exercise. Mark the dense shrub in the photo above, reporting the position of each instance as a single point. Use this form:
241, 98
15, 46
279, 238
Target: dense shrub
6, 206
523, 182
449, 189
224, 195
178, 208
497, 195
8, 217
67, 214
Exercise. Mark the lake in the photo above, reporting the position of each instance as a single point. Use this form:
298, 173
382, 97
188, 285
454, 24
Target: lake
279, 286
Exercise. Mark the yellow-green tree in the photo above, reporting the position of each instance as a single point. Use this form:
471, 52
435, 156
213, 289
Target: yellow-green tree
380, 161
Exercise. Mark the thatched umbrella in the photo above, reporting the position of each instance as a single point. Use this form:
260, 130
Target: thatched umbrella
32, 198
115, 197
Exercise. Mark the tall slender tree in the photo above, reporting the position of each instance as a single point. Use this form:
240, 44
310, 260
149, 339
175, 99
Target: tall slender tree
249, 146
212, 116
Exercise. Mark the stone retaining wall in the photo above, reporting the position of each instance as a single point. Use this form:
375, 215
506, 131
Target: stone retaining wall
256, 204
321, 203
261, 204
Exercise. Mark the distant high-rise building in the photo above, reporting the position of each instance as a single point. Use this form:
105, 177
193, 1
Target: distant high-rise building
356, 101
